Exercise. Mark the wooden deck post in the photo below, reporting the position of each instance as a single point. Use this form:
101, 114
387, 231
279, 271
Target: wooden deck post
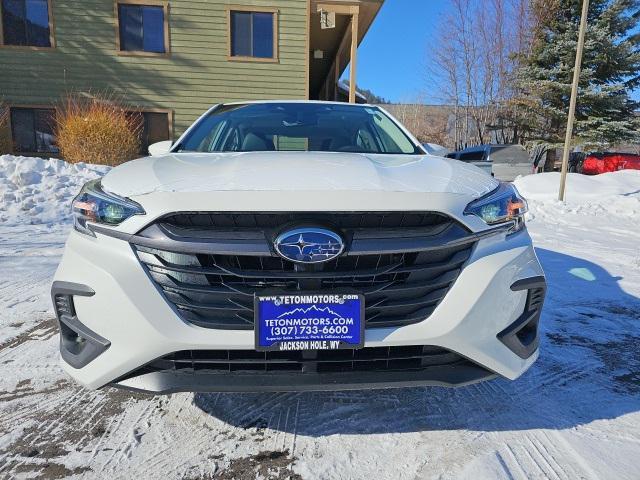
352, 9
336, 71
354, 54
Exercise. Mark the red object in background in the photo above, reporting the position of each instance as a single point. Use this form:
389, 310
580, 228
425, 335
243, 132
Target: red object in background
597, 163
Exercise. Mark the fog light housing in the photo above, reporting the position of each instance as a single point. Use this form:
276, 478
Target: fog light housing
79, 345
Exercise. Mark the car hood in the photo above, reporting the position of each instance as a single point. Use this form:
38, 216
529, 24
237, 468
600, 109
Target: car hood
296, 171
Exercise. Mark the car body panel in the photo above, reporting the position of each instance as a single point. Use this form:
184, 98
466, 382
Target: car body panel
595, 164
504, 162
291, 171
436, 150
510, 162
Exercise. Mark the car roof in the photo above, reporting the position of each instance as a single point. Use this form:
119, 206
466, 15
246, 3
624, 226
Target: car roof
489, 146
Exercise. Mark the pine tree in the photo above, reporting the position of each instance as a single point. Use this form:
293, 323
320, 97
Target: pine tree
605, 112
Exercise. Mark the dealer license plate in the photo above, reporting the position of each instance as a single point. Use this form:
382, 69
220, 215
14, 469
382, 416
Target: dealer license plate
309, 322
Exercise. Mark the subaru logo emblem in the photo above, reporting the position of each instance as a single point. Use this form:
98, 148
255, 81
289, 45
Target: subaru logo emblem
309, 245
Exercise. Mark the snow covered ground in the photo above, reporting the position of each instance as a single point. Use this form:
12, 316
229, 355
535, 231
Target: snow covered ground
575, 414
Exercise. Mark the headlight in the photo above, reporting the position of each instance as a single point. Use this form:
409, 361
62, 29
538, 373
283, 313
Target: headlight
97, 206
503, 205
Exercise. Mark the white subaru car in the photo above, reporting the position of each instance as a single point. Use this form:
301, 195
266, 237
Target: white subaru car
295, 245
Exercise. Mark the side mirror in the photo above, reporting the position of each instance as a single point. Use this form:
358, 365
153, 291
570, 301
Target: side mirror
160, 148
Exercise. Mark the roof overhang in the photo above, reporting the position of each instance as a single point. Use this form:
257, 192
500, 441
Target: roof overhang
335, 42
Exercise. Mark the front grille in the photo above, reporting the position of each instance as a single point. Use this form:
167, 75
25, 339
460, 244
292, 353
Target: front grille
210, 266
403, 358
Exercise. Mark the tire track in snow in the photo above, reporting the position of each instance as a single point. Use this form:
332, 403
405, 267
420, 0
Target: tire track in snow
43, 405
36, 438
294, 437
504, 466
103, 437
275, 431
97, 408
127, 438
514, 465
542, 454
553, 376
186, 444
42, 331
546, 450
114, 433
578, 460
540, 460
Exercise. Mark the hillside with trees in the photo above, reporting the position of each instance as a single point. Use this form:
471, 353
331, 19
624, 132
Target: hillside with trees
505, 69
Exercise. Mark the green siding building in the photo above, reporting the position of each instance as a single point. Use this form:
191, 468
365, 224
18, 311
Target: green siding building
170, 60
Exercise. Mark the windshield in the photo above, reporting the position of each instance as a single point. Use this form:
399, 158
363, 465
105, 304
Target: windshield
319, 127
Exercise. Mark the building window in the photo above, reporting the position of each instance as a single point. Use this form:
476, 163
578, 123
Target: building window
26, 23
253, 35
143, 28
156, 127
32, 130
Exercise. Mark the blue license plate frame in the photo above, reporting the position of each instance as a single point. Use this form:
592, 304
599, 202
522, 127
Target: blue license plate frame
280, 321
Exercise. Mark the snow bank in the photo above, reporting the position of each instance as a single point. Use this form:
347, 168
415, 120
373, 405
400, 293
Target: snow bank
544, 186
615, 193
38, 190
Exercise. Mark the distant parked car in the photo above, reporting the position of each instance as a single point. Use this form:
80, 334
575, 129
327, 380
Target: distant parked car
576, 162
596, 163
505, 162
436, 150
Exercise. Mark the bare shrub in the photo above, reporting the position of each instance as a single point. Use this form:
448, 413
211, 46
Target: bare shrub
97, 130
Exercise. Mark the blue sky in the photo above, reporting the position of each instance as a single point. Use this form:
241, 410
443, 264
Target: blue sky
391, 58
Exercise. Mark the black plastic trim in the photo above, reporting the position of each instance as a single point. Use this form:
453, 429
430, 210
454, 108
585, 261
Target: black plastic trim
455, 236
165, 382
76, 353
522, 336
70, 288
528, 283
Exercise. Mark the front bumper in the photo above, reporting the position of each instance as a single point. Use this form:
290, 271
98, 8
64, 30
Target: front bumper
129, 312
